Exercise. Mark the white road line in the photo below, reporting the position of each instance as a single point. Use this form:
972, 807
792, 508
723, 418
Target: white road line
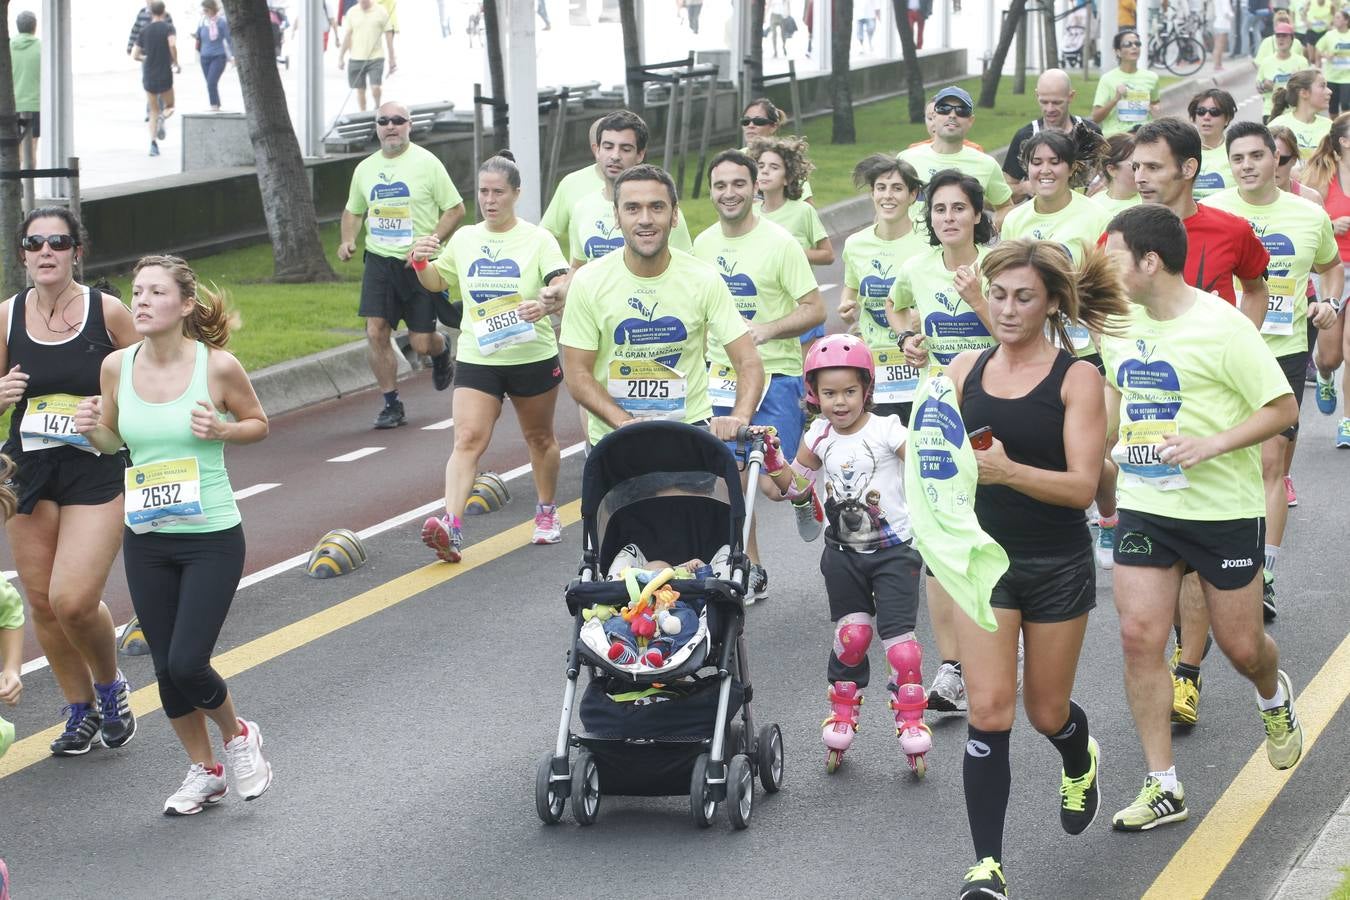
356, 454
256, 489
439, 426
828, 287
9, 574
287, 564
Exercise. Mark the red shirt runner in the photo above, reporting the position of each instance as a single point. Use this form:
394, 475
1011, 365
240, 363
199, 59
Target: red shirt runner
1219, 247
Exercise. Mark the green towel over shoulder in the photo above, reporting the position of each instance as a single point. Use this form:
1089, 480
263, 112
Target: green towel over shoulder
940, 482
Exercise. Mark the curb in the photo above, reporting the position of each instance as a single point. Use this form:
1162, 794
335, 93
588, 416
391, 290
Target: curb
344, 370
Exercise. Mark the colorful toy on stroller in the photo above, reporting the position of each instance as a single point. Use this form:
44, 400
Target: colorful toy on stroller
678, 720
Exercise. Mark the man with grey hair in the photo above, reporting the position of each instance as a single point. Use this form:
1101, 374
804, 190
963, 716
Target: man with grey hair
25, 52
1054, 93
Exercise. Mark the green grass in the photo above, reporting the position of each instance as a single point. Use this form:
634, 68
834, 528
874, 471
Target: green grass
1343, 891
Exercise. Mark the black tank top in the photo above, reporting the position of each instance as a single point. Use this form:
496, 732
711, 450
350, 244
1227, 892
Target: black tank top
69, 367
1031, 428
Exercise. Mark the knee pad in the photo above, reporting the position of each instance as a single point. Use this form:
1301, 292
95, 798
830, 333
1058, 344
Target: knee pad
852, 637
905, 655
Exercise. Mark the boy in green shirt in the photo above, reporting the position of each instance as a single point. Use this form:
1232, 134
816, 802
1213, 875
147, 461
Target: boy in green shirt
25, 53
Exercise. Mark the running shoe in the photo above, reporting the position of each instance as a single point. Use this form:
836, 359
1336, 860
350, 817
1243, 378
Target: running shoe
250, 772
547, 525
442, 369
759, 584
1153, 807
444, 537
630, 557
200, 789
1284, 732
1290, 495
1106, 544
154, 149
392, 416
1079, 798
948, 690
1185, 700
1326, 395
985, 880
810, 516
160, 131
6, 735
1343, 435
114, 702
1268, 595
82, 727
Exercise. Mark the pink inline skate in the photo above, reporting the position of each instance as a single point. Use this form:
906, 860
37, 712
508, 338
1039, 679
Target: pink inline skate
909, 699
838, 730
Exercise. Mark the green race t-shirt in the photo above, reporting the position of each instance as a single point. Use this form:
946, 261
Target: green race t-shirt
952, 327
401, 197
494, 272
1076, 226
1317, 15
575, 185
799, 219
11, 607
870, 268
927, 162
1298, 235
1198, 374
1132, 110
766, 273
649, 334
1216, 173
594, 231
1112, 205
25, 52
1334, 49
1273, 69
1309, 135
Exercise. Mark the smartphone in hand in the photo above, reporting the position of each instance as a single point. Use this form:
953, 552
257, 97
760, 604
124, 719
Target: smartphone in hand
982, 438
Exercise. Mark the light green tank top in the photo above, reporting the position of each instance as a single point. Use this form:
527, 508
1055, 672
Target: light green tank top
170, 465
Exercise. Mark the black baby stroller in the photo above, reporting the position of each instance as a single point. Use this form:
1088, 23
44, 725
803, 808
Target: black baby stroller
674, 491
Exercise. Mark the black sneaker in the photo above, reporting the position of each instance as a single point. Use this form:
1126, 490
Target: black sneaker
391, 416
759, 584
442, 369
114, 701
985, 880
1080, 797
1268, 596
81, 727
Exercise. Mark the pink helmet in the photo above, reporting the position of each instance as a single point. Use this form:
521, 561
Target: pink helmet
834, 351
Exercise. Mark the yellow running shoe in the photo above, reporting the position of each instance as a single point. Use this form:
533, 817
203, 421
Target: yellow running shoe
1284, 732
1153, 807
985, 880
1185, 700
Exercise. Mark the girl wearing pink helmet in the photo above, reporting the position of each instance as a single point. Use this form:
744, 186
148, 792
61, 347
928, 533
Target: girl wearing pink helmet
871, 568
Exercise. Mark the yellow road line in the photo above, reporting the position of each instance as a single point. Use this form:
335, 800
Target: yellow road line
1214, 843
144, 701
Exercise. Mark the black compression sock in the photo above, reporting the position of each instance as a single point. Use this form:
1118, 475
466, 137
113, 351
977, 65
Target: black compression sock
988, 778
1187, 671
1072, 742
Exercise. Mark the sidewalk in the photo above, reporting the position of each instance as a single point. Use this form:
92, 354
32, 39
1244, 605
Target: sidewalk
1318, 872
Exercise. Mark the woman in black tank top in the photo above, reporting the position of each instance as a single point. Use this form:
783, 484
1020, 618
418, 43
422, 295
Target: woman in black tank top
68, 528
1038, 475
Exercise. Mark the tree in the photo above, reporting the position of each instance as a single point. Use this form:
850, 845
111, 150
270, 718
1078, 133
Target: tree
283, 182
11, 191
841, 91
492, 26
755, 49
913, 69
1017, 9
632, 59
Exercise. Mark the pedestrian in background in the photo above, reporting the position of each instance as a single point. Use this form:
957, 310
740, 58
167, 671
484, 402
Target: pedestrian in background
214, 48
25, 53
157, 52
368, 30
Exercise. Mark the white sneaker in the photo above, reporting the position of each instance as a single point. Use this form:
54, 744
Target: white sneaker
948, 691
547, 525
250, 772
630, 557
810, 516
199, 790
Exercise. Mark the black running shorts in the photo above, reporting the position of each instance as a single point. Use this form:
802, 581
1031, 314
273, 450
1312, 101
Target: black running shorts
1228, 554
67, 477
522, 380
1295, 368
390, 291
1049, 588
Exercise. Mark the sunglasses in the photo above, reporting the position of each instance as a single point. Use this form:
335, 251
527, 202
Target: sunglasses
1212, 111
761, 121
946, 109
33, 242
1286, 160
1126, 45
391, 120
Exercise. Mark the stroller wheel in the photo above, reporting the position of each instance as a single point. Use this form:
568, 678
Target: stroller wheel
702, 803
549, 796
770, 751
740, 792
585, 789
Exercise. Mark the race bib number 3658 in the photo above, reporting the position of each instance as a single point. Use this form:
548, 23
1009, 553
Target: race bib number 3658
163, 493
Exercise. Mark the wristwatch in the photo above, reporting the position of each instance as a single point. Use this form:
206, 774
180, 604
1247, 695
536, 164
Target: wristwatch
904, 336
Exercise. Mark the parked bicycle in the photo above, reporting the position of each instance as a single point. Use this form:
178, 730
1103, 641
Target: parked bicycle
1175, 43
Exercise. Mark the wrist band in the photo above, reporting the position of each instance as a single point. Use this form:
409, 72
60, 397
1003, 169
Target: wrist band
419, 264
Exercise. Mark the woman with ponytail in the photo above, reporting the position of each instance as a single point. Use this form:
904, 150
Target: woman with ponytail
176, 399
1047, 427
1301, 106
1121, 191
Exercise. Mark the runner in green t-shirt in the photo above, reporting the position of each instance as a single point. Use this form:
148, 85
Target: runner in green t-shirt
770, 280
636, 324
761, 120
1333, 53
1273, 71
557, 219
1194, 390
593, 230
501, 265
1301, 106
1126, 95
1211, 111
403, 191
1114, 168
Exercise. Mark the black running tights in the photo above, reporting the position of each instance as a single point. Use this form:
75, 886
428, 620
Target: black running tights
181, 588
